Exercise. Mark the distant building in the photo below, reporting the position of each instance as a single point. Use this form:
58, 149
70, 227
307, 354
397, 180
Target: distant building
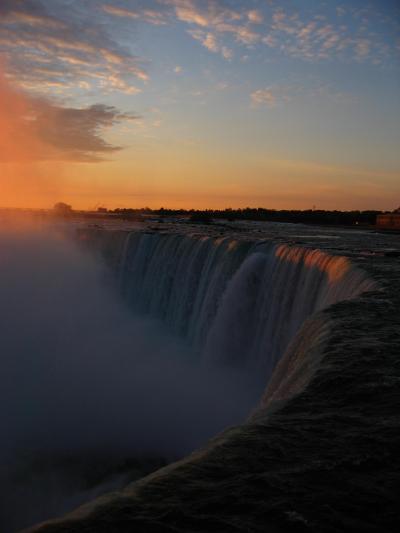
388, 221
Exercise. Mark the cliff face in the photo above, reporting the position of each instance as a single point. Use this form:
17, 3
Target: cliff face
320, 452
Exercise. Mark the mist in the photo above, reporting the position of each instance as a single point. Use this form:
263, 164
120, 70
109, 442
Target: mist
83, 377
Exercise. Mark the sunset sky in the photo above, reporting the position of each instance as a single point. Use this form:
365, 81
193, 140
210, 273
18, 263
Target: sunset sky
196, 103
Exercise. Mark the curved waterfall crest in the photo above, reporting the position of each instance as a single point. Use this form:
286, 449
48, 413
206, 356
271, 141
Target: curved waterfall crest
237, 302
320, 334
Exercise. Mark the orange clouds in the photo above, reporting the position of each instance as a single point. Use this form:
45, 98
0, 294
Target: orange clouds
39, 129
37, 136
51, 48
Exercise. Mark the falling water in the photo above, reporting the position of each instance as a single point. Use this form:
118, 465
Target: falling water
238, 303
253, 306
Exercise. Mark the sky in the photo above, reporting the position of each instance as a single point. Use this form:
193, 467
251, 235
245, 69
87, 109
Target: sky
200, 104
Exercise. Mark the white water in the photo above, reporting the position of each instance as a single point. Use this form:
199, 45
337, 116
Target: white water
237, 303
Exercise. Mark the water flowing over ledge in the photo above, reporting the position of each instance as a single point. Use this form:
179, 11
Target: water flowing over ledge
310, 457
239, 303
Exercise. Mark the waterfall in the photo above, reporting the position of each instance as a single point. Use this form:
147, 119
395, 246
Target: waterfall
237, 302
269, 298
267, 308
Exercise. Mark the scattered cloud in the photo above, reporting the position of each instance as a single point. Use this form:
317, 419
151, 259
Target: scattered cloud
255, 16
75, 134
186, 11
270, 41
41, 129
307, 36
48, 46
215, 19
272, 96
362, 48
226, 52
54, 50
264, 97
151, 16
209, 41
279, 94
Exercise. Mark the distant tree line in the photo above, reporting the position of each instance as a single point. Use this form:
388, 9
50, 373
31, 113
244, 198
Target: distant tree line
207, 216
62, 209
308, 216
